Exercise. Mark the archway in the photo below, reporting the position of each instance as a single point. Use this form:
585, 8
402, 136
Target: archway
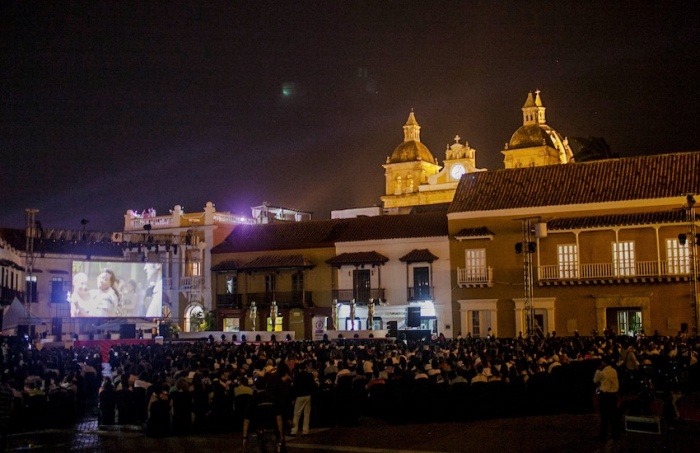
194, 313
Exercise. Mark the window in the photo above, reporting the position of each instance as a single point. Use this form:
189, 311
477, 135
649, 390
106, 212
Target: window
480, 322
361, 285
270, 283
678, 257
421, 283
475, 262
232, 324
567, 257
31, 288
298, 282
58, 295
623, 258
476, 325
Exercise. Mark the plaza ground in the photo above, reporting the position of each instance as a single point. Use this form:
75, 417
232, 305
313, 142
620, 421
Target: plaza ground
526, 434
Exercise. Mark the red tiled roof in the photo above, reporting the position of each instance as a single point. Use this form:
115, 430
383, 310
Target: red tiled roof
277, 262
357, 258
382, 227
630, 178
325, 233
418, 256
648, 218
280, 236
228, 265
473, 232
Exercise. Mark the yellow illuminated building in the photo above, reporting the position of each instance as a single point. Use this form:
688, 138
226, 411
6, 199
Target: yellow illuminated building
535, 143
415, 178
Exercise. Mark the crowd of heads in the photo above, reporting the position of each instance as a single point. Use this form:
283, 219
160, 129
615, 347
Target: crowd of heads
186, 364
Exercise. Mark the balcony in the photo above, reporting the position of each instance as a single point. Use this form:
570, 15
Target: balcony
362, 296
191, 283
7, 295
640, 271
229, 300
284, 299
420, 293
475, 277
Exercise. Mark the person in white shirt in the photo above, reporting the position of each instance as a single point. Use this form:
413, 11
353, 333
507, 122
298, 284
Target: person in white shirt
608, 386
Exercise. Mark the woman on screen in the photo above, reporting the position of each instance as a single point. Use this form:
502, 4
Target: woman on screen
80, 300
106, 297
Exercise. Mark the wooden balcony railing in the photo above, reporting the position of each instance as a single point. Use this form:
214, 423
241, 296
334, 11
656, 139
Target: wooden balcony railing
362, 296
475, 276
284, 299
7, 295
229, 300
420, 293
592, 271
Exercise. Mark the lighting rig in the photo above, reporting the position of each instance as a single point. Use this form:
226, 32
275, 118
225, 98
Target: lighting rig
692, 239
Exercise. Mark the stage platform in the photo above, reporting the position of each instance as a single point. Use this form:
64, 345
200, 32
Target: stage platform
359, 334
250, 335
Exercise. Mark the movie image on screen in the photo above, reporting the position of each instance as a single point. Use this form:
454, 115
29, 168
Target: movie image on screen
116, 289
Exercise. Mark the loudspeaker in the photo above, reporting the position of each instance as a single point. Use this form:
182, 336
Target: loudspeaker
413, 319
127, 331
393, 328
56, 326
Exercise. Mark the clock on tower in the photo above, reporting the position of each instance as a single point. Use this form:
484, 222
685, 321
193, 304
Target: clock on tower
456, 171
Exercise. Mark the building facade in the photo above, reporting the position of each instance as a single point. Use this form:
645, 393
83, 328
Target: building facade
578, 247
311, 269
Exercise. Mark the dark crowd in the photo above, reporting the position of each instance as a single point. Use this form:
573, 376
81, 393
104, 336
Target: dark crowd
198, 387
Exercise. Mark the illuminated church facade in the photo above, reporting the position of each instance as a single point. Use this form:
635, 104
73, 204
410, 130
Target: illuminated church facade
415, 178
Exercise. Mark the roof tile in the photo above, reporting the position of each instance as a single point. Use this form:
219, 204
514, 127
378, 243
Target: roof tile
630, 178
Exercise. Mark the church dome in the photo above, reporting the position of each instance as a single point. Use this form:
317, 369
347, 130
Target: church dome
531, 135
410, 151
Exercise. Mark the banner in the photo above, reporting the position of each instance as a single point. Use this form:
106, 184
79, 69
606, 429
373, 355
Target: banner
319, 323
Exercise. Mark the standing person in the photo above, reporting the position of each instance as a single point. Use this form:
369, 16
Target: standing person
107, 402
183, 407
263, 427
159, 408
303, 388
608, 387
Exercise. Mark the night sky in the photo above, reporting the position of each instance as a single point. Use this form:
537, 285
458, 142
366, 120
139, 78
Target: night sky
108, 106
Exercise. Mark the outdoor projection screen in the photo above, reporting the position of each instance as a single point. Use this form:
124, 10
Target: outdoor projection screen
104, 289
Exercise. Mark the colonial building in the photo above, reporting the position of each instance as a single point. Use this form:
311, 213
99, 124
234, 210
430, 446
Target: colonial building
309, 268
577, 247
38, 264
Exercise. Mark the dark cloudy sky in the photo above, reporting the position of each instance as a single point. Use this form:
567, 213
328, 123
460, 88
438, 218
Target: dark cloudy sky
107, 106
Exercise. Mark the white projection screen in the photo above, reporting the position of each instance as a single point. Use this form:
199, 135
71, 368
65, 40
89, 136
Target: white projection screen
104, 289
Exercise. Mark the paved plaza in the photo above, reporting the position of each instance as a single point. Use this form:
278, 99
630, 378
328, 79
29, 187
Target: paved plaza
527, 434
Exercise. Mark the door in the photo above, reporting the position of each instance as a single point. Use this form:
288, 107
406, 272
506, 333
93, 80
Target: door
421, 283
629, 322
361, 285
